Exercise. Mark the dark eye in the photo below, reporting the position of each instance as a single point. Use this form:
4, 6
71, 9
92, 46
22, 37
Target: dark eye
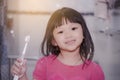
74, 28
60, 32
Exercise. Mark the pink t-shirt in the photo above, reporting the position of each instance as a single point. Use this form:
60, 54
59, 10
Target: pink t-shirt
50, 68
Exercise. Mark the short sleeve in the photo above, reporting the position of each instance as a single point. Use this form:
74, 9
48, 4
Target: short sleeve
97, 73
40, 70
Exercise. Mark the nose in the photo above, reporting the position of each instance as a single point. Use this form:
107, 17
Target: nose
68, 34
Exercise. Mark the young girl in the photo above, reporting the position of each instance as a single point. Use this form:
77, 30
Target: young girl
67, 48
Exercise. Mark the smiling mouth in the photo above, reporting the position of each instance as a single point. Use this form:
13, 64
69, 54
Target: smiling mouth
70, 42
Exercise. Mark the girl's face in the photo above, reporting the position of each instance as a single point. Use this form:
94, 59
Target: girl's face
68, 36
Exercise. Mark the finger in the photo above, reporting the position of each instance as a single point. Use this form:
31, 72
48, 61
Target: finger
16, 70
24, 62
18, 63
19, 60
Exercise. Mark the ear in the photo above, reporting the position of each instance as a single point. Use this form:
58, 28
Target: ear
54, 43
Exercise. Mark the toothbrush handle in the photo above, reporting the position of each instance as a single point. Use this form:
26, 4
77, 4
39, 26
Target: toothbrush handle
15, 77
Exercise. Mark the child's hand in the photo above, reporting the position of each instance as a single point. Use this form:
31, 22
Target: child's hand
19, 68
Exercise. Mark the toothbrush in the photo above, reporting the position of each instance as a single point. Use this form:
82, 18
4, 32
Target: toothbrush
27, 39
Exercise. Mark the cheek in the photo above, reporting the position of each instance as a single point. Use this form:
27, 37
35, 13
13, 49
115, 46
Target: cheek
57, 39
80, 36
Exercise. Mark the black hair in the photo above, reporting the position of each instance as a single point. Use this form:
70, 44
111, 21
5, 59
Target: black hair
56, 19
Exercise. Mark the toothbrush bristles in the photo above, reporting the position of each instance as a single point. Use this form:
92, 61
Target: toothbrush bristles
27, 38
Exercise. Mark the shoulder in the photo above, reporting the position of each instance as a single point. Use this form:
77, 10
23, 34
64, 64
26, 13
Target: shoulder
94, 64
42, 63
96, 71
40, 70
91, 65
46, 59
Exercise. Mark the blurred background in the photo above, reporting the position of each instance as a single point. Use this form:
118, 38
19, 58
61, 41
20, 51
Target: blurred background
19, 18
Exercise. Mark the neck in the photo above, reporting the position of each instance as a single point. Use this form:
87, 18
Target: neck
69, 54
70, 58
